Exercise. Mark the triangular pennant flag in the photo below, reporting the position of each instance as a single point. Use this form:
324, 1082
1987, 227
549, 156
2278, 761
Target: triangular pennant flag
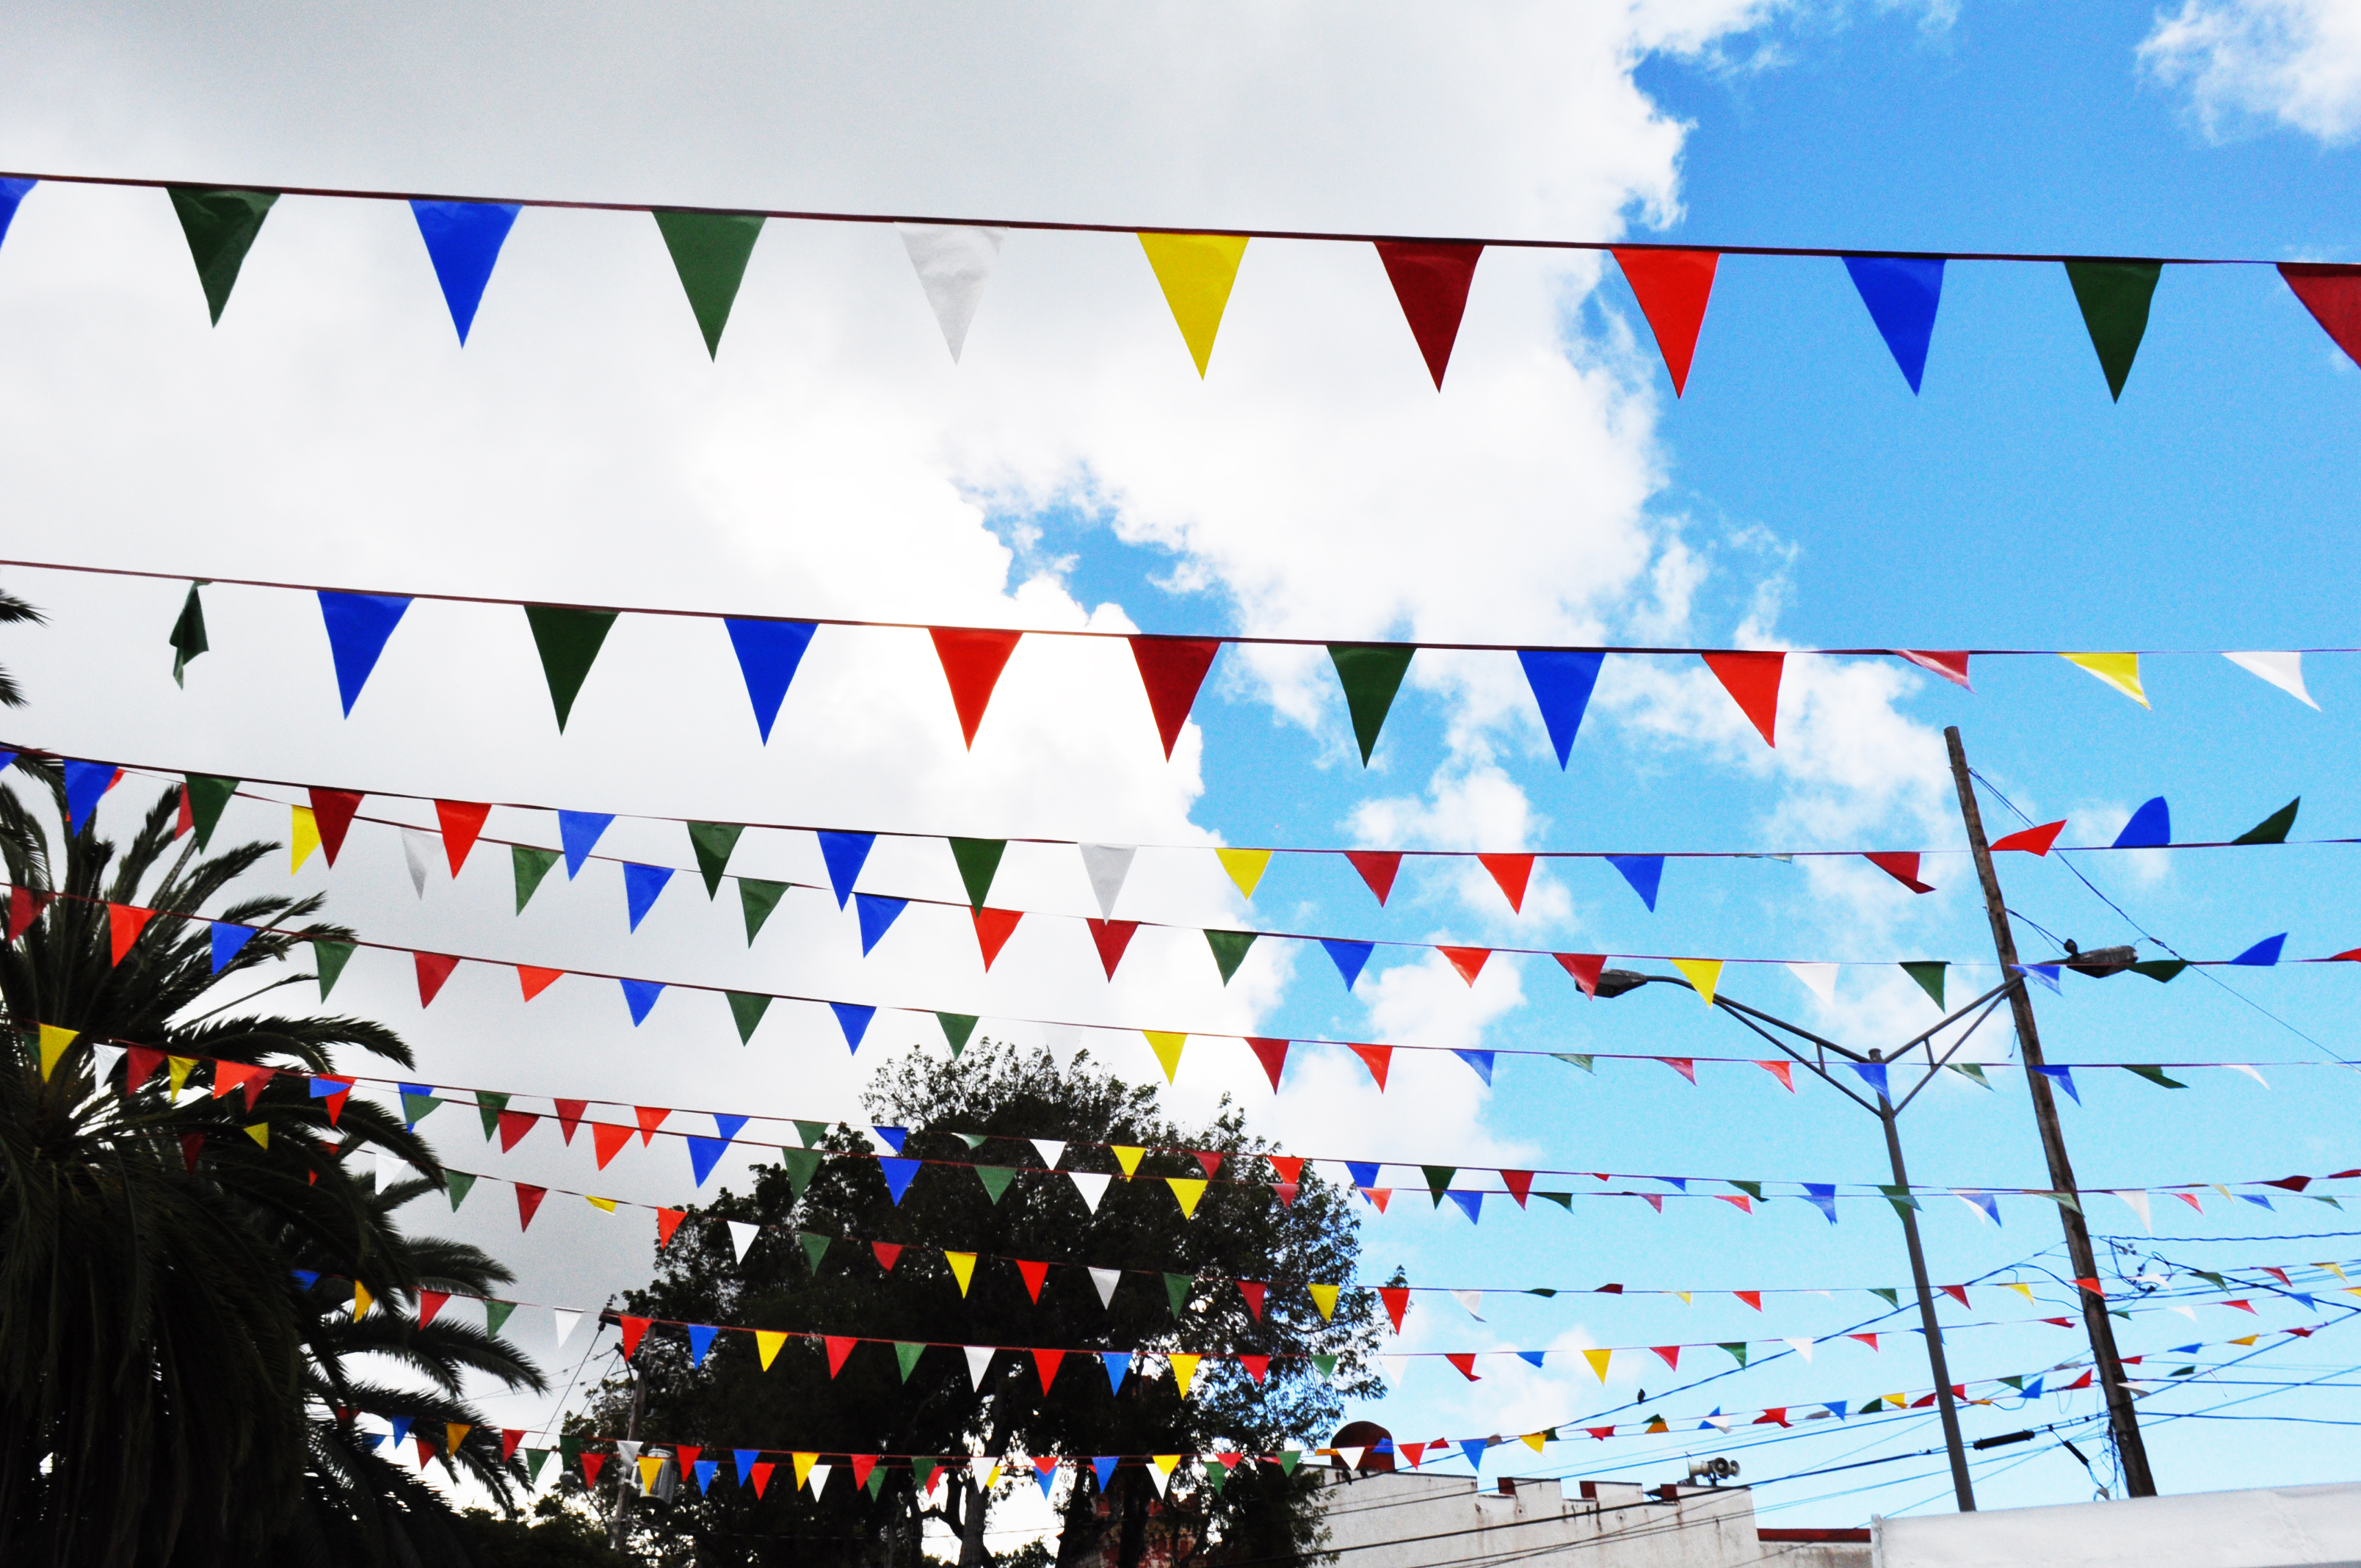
1512, 873
953, 261
206, 794
2032, 841
996, 1179
1195, 270
757, 899
1586, 968
463, 240
992, 929
972, 660
639, 995
1819, 979
568, 642
1112, 937
418, 847
2284, 671
1929, 974
1091, 1185
899, 1174
979, 1363
2332, 293
2263, 954
1562, 680
530, 866
2150, 827
1901, 293
1371, 674
11, 192
1752, 682
433, 969
1350, 958
528, 1202
85, 784
1645, 872
332, 817
54, 1043
768, 654
1107, 866
844, 854
188, 639
1874, 1074
1702, 974
979, 862
1672, 287
876, 914
1378, 868
713, 843
641, 884
220, 225
2120, 671
852, 1017
957, 1028
532, 982
1187, 1191
1272, 1054
1167, 1047
2114, 297
1430, 281
1184, 1370
1902, 865
1229, 949
743, 1236
2274, 828
1245, 867
1377, 1060
1171, 670
227, 939
461, 822
710, 252
1951, 665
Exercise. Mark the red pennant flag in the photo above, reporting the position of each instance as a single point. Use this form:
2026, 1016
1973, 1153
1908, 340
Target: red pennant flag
1773, 1418
1752, 682
191, 1145
1602, 1433
761, 1474
686, 1454
1465, 1360
1670, 1355
992, 929
863, 1464
429, 1303
1902, 865
1585, 968
2081, 1382
634, 1328
1751, 1298
1430, 281
1468, 961
972, 660
591, 1465
1672, 287
1952, 666
1112, 937
461, 821
1290, 1166
607, 1139
1259, 1368
510, 1437
1397, 1300
2243, 1306
569, 1116
1035, 1276
1869, 1340
1046, 1363
514, 1125
1253, 1291
532, 981
838, 1349
1378, 1196
667, 1221
188, 818
1210, 1160
1272, 1054
433, 969
1684, 1066
2092, 1286
331, 810
1376, 1059
888, 1254
2332, 295
2032, 841
1922, 1402
650, 1118
528, 1202
336, 1104
1783, 1071
1956, 1292
1378, 868
1511, 872
25, 906
2062, 1323
123, 924
256, 1080
1172, 669
229, 1074
1520, 1184
143, 1064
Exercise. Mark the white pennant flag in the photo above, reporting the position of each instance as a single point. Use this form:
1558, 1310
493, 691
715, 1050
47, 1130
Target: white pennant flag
1106, 1279
2137, 1199
742, 1236
1091, 1185
106, 1057
1802, 1347
421, 849
1393, 1367
2250, 1073
1349, 1459
1471, 1299
1052, 1151
819, 1475
981, 1467
953, 261
1820, 979
979, 1362
2189, 1312
2284, 671
1108, 865
628, 1449
566, 1318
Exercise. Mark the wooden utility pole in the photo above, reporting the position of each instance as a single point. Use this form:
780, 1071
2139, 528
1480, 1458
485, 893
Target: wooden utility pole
2137, 1481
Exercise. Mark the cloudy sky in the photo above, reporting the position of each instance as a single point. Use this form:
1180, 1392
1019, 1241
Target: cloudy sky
1073, 471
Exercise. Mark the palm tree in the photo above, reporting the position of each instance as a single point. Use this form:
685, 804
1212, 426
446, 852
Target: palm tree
155, 1351
14, 611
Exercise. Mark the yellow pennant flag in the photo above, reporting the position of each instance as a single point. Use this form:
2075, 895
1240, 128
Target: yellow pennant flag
2021, 1288
1686, 1298
1598, 1360
606, 1204
1184, 1368
454, 1434
1703, 973
766, 1345
361, 1300
304, 838
1325, 1298
1535, 1440
1128, 1157
2120, 671
1898, 1401
54, 1042
1656, 1424
1166, 1463
650, 1465
804, 1462
1167, 1047
180, 1068
1196, 271
1245, 867
962, 1268
259, 1132
2248, 1339
1188, 1189
2332, 1268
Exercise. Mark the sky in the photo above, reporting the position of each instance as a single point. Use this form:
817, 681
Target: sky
1073, 471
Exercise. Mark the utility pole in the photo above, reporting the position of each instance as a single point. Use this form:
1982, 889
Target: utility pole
618, 1526
1945, 1404
2137, 1481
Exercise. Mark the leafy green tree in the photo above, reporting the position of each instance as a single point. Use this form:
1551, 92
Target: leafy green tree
1180, 1292
15, 611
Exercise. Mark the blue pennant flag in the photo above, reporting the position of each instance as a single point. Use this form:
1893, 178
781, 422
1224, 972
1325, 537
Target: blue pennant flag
358, 625
727, 1127
892, 1137
1562, 680
2046, 973
329, 1088
5, 759
1532, 1357
1105, 1464
2149, 829
1364, 1174
641, 886
2255, 1199
1822, 1195
1048, 1479
309, 1277
463, 240
578, 831
877, 914
747, 1458
1679, 1183
372, 1440
2263, 954
400, 1430
86, 782
1470, 1204
700, 1340
898, 1174
227, 939
2303, 1297
845, 853
2033, 1386
1349, 958
1119, 1362
1645, 872
2064, 1078
1902, 292
639, 995
704, 1154
768, 652
11, 192
1984, 1201
2184, 1350
1836, 1409
853, 1019
706, 1470
1472, 1448
1480, 1060
1874, 1074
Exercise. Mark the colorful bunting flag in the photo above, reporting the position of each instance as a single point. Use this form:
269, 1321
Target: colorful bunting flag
1171, 670
1371, 674
769, 652
1562, 682
1195, 271
1645, 873
568, 642
463, 239
1672, 287
710, 251
2114, 297
972, 660
221, 225
953, 262
1430, 281
1752, 682
1901, 293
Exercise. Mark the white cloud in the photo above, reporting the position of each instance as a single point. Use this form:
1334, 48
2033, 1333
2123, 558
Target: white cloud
2243, 63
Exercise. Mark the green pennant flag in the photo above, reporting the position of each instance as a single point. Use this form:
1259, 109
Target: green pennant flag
569, 641
1438, 1181
1970, 1071
713, 843
1890, 1299
1217, 1475
1562, 1200
416, 1108
1176, 1291
535, 1459
330, 959
979, 862
207, 796
1738, 1349
1929, 976
1288, 1460
815, 1248
757, 899
2156, 1075
1752, 1188
876, 1482
1326, 1364
995, 1178
570, 1446
188, 640
530, 866
811, 1132
801, 1165
922, 1472
1370, 673
2114, 297
1898, 1196
2215, 1280
1230, 949
973, 1141
496, 1315
1576, 1059
906, 1351
746, 1009
220, 225
2016, 1383
456, 1183
2064, 1200
489, 1105
1869, 1408
710, 252
2161, 970
957, 1027
2271, 830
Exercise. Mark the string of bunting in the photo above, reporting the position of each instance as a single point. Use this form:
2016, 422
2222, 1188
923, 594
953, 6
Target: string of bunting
1196, 271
